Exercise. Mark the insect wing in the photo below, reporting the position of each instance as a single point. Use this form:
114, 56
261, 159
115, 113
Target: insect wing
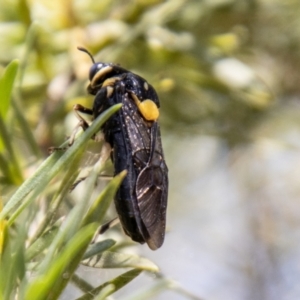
117, 128
152, 192
152, 182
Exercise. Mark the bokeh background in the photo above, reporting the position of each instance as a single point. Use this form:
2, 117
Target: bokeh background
227, 73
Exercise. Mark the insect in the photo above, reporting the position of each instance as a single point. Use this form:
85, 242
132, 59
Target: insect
134, 136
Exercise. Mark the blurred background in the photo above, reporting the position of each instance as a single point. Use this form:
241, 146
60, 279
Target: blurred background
227, 74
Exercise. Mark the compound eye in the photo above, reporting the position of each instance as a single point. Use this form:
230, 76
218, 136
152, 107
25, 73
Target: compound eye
94, 69
98, 73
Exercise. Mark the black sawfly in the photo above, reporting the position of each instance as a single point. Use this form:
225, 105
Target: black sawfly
133, 134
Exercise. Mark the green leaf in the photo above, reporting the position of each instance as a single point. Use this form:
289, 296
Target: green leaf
160, 285
58, 198
111, 286
42, 243
24, 12
6, 86
12, 265
98, 248
81, 284
9, 162
68, 229
41, 287
98, 209
121, 260
150, 292
57, 162
105, 292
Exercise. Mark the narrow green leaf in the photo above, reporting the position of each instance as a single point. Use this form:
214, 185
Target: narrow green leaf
12, 265
42, 243
37, 181
5, 168
98, 248
30, 43
58, 198
150, 292
121, 260
160, 285
24, 12
6, 86
50, 167
98, 209
72, 221
11, 166
24, 126
105, 292
41, 287
18, 101
81, 284
117, 283
69, 227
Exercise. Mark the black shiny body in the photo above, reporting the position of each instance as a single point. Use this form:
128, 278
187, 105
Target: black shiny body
141, 200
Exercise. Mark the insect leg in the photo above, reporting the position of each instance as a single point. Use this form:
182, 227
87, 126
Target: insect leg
82, 122
104, 155
108, 225
101, 176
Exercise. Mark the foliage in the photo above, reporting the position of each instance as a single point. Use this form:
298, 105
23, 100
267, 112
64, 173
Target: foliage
223, 68
41, 248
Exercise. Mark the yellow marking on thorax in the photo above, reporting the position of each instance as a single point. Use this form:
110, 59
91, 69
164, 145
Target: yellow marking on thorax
147, 108
110, 81
109, 91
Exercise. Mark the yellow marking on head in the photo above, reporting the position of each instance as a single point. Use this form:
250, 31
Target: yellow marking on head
146, 86
147, 108
100, 73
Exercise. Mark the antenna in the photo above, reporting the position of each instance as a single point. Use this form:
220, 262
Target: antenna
87, 52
